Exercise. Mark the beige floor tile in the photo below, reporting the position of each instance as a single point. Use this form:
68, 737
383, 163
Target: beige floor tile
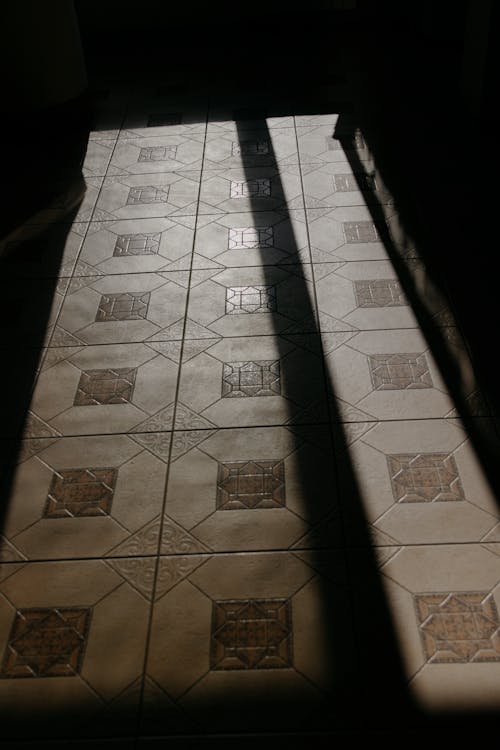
244, 641
251, 148
83, 497
105, 389
250, 189
418, 482
63, 667
252, 489
168, 153
247, 239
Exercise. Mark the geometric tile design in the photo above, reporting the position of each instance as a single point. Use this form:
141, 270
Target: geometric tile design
379, 293
335, 144
261, 378
147, 194
99, 387
250, 299
459, 628
250, 238
259, 188
347, 183
157, 121
157, 153
360, 231
46, 642
250, 484
424, 478
123, 306
75, 493
251, 634
250, 147
399, 371
137, 244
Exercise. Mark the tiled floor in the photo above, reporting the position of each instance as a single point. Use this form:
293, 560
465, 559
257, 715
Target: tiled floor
249, 495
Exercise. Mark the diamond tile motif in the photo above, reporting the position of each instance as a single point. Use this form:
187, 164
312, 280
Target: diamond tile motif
395, 372
145, 194
251, 484
260, 188
360, 231
250, 238
124, 306
240, 379
250, 299
347, 183
379, 293
159, 120
99, 387
250, 148
459, 628
137, 244
424, 478
46, 642
157, 153
251, 634
74, 493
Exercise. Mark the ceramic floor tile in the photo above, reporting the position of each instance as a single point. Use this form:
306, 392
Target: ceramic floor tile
256, 380
32, 307
418, 482
444, 602
97, 157
41, 251
137, 246
366, 295
105, 389
167, 153
63, 668
333, 184
251, 148
323, 144
143, 196
246, 642
240, 116
250, 189
122, 308
163, 116
251, 239
73, 201
84, 497
393, 375
252, 301
252, 489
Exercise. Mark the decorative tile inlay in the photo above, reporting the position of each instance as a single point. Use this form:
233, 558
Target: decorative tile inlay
396, 372
157, 121
123, 306
379, 293
459, 628
46, 642
424, 478
259, 188
251, 484
360, 231
99, 387
147, 194
346, 183
240, 379
81, 492
137, 244
253, 148
250, 299
250, 238
251, 634
157, 153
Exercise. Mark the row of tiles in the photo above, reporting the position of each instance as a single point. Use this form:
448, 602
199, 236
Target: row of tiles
247, 641
264, 488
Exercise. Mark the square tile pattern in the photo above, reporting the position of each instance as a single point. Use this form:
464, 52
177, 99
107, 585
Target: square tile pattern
251, 484
99, 387
124, 306
399, 371
250, 299
137, 244
75, 493
241, 379
425, 478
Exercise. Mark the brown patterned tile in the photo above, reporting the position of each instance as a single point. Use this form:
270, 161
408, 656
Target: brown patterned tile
399, 371
261, 378
379, 293
46, 642
251, 484
98, 387
459, 628
250, 299
137, 244
251, 634
360, 231
81, 492
123, 306
424, 477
